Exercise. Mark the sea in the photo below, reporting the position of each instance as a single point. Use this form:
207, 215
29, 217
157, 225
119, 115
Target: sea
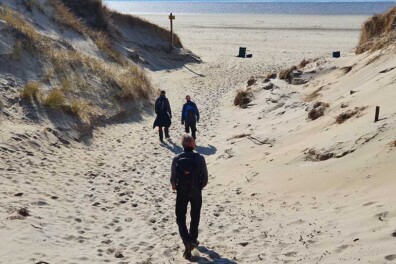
250, 7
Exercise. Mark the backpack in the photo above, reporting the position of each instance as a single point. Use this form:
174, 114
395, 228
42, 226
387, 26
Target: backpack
190, 113
188, 180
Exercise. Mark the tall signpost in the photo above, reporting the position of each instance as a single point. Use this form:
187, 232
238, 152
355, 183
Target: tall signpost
171, 18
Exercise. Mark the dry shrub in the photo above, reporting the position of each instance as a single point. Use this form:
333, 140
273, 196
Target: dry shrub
316, 155
318, 104
80, 108
317, 110
66, 85
134, 83
341, 118
15, 20
377, 32
30, 90
271, 75
251, 81
304, 63
315, 113
286, 74
55, 99
242, 98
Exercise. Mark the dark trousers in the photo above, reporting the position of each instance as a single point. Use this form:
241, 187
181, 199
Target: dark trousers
193, 127
161, 133
181, 211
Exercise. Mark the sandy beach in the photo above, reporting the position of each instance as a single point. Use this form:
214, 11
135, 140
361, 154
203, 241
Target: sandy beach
269, 198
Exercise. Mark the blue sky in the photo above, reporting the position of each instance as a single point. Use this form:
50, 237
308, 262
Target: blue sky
252, 0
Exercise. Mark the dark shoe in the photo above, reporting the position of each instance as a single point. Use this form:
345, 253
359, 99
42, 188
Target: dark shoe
187, 251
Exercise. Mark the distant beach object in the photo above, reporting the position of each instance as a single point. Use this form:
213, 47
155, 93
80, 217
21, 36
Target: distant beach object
336, 54
171, 18
242, 52
249, 55
377, 112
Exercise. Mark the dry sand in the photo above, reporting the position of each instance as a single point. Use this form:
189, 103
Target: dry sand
265, 203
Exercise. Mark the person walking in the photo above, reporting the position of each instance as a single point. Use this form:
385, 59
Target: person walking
189, 175
164, 116
190, 117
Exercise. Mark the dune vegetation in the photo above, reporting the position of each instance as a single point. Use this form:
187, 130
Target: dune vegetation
378, 32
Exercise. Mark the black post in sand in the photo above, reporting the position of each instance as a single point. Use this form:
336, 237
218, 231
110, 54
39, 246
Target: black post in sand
377, 112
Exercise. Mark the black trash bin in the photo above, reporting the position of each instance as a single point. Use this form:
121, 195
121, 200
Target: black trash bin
242, 52
336, 54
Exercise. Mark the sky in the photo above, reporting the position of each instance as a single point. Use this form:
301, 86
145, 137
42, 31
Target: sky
252, 0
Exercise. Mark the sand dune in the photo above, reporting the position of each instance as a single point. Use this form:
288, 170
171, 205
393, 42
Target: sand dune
270, 198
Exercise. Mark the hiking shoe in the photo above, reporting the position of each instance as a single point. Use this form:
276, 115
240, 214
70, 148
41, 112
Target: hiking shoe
187, 251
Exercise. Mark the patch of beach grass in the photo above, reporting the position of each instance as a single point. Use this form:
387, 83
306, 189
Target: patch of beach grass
286, 74
55, 99
378, 32
31, 90
242, 98
341, 118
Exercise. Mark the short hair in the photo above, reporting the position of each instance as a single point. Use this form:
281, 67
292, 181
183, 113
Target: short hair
188, 141
163, 92
188, 97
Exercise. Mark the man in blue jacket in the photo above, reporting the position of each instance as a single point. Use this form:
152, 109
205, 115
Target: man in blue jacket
190, 117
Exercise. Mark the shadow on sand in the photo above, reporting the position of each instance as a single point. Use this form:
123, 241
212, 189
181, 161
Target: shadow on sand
176, 149
211, 257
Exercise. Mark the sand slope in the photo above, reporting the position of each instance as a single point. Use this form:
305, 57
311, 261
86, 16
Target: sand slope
268, 201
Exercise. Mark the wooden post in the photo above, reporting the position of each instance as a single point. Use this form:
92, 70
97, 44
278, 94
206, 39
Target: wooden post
377, 112
171, 18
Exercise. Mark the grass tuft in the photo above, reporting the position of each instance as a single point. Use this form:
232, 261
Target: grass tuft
341, 118
378, 32
304, 63
286, 74
242, 98
55, 99
31, 90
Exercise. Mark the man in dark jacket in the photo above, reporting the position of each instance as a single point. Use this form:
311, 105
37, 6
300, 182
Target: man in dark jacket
189, 175
164, 115
190, 117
